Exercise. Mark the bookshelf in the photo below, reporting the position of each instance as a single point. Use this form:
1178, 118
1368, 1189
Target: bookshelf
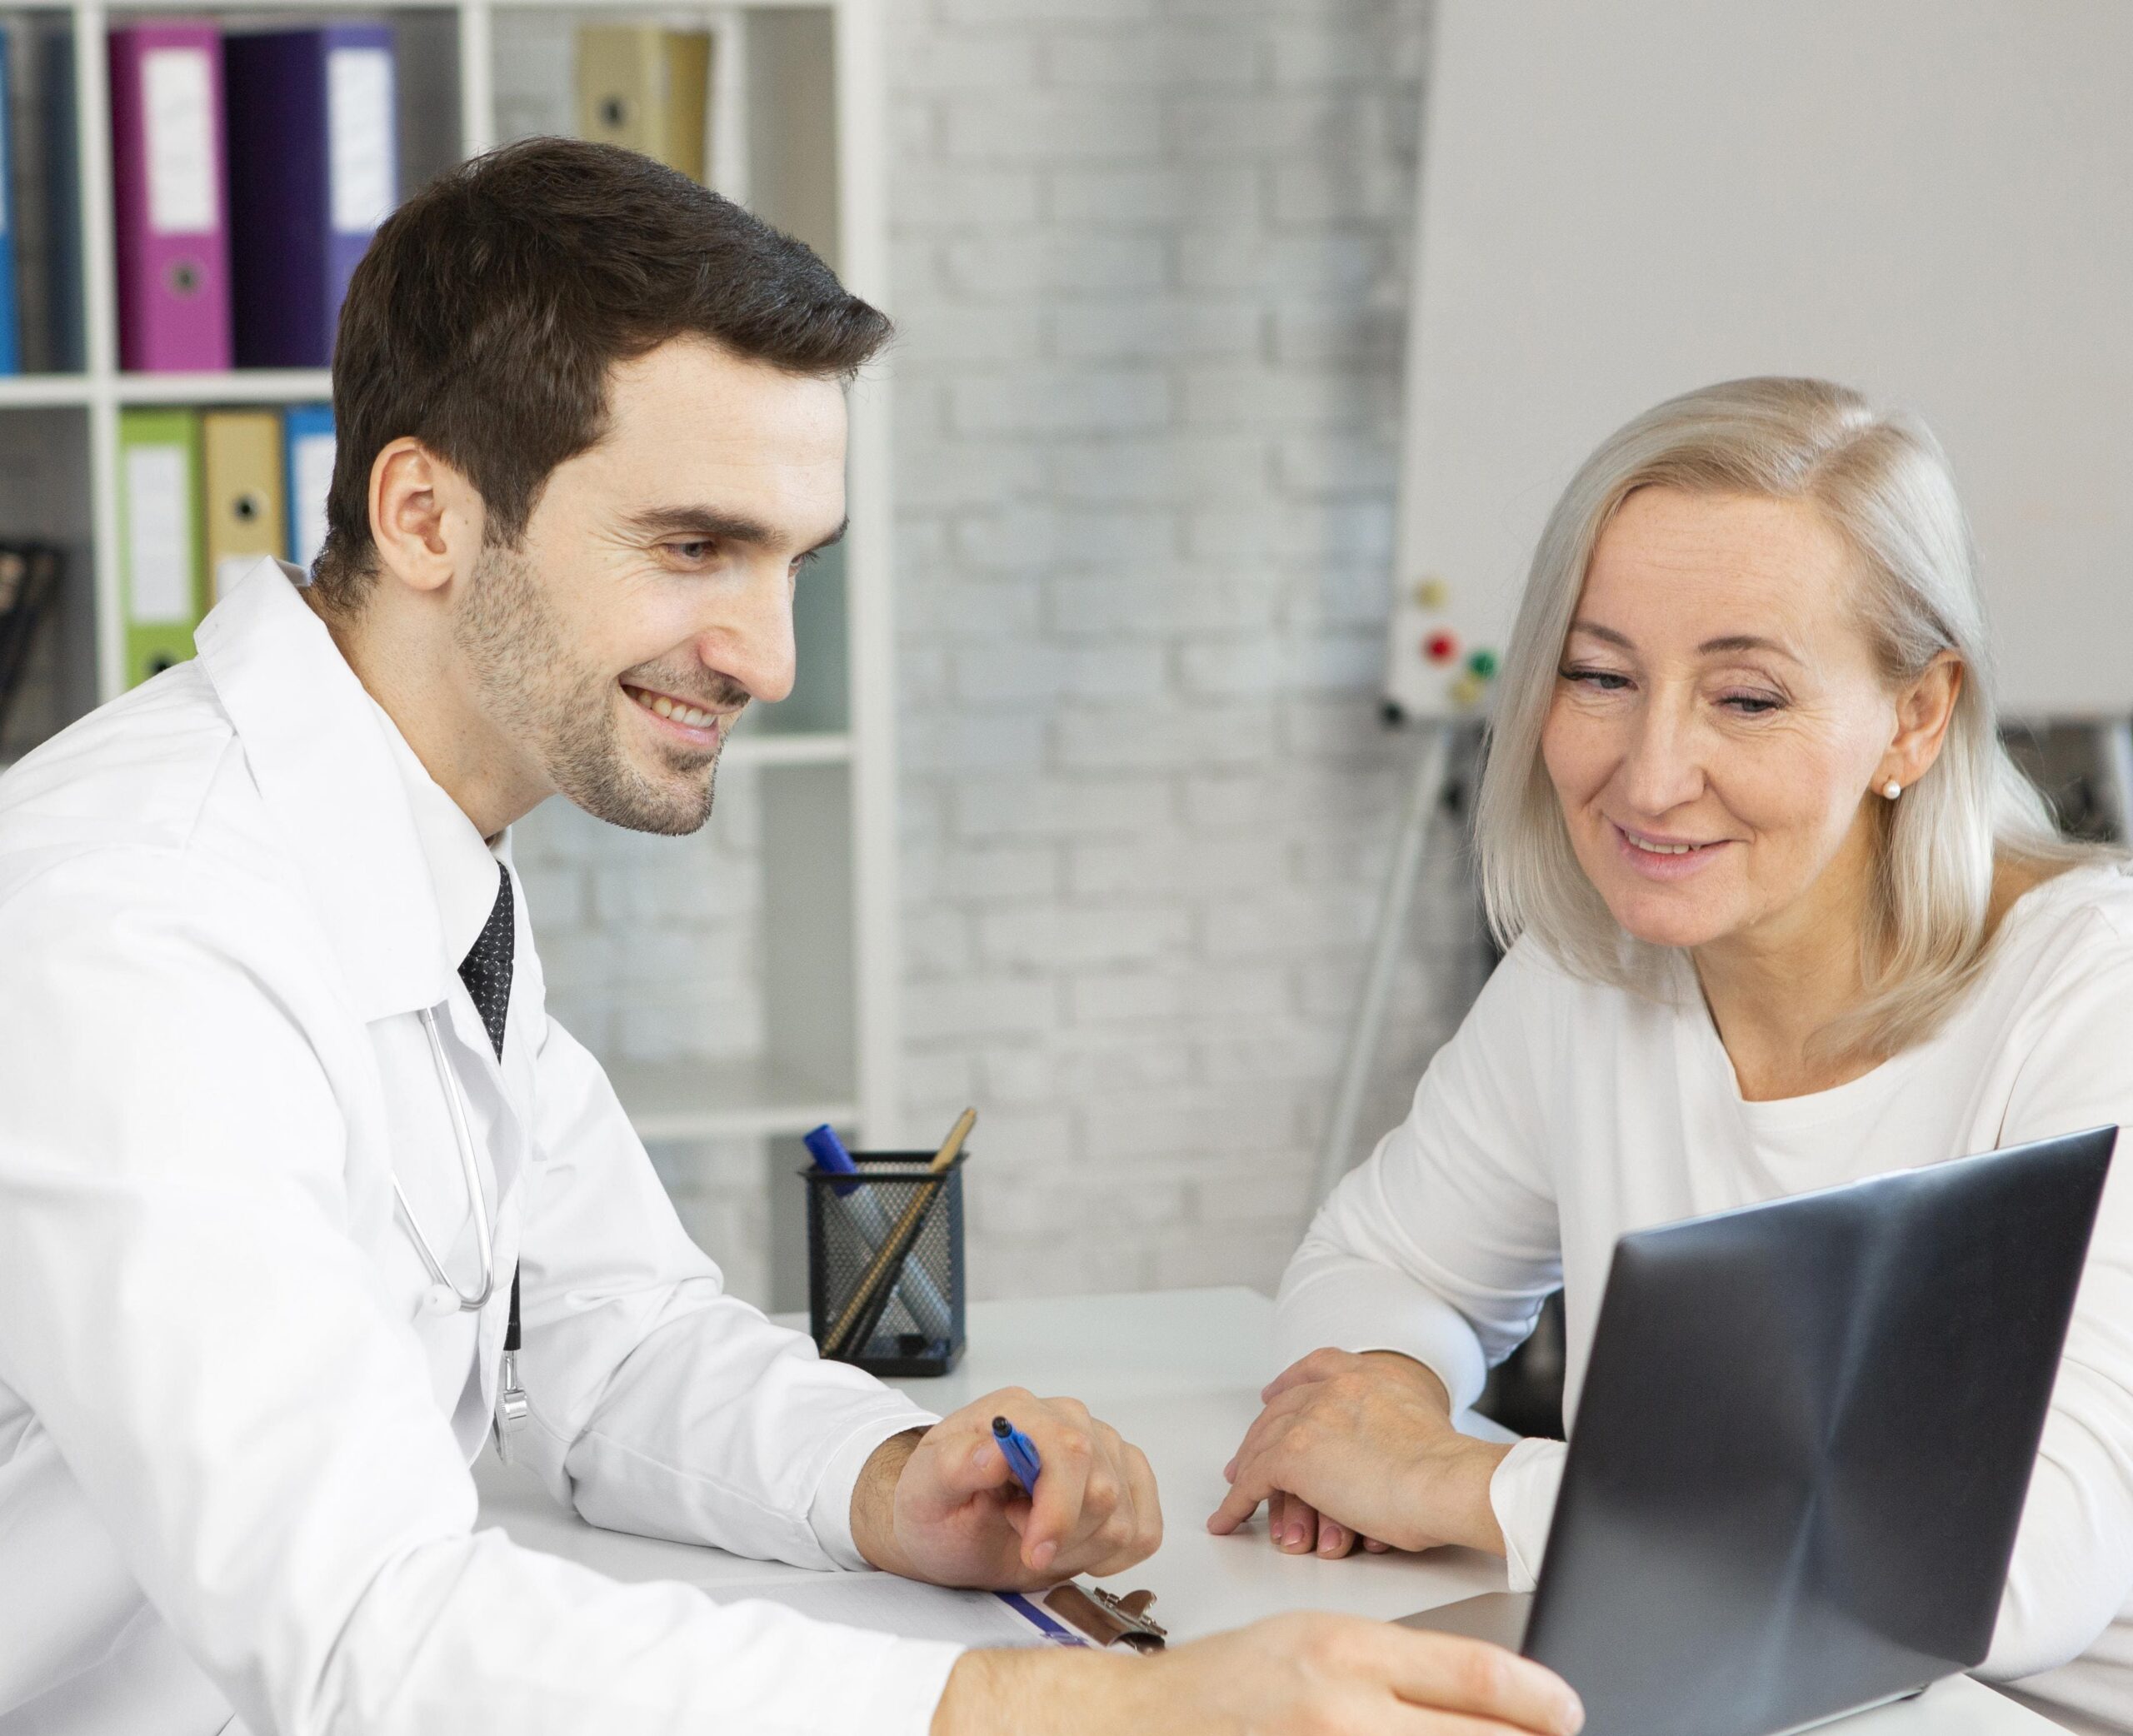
796, 132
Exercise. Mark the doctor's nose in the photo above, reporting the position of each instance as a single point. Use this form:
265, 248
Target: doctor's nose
751, 642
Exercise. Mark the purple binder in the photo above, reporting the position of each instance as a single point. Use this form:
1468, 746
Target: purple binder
167, 186
313, 171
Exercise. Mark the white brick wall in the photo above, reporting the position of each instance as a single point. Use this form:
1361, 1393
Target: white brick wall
1151, 260
652, 951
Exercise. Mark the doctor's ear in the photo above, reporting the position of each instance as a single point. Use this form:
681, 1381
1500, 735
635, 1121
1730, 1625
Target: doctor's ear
425, 518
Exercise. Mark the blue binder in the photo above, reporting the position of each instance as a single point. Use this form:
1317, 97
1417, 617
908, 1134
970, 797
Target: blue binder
65, 342
307, 434
11, 319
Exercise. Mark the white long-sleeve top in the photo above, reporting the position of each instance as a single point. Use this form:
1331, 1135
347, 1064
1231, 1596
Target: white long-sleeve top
1564, 1113
234, 1446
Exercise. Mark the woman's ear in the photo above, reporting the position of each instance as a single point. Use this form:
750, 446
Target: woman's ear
1925, 706
425, 518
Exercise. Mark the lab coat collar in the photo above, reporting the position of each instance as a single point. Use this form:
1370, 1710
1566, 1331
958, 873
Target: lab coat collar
321, 751
462, 864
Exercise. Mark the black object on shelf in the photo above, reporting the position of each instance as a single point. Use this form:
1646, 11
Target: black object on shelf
30, 576
918, 1323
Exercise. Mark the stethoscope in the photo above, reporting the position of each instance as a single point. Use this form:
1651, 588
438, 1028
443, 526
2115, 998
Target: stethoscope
444, 1297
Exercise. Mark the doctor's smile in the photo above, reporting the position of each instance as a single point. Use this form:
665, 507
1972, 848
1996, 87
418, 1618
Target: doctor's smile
703, 726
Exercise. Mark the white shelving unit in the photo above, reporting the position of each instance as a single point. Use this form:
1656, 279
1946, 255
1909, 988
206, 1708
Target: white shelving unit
798, 134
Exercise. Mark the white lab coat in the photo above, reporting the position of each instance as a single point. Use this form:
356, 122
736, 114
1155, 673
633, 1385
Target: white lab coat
234, 1448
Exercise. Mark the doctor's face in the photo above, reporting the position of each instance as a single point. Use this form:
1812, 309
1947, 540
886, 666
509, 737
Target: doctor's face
650, 597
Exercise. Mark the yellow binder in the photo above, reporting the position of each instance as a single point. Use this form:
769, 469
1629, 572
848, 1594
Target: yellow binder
241, 473
158, 537
647, 89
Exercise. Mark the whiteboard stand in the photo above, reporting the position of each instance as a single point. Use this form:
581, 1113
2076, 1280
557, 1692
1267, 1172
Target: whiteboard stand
2114, 762
1426, 796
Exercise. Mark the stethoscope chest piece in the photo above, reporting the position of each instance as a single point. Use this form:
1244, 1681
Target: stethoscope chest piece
439, 1300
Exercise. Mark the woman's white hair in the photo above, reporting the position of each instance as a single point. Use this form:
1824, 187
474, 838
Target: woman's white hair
1881, 479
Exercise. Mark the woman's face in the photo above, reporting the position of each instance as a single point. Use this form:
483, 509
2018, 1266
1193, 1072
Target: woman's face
1719, 724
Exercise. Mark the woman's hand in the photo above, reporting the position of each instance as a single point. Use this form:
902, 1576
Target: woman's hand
1361, 1448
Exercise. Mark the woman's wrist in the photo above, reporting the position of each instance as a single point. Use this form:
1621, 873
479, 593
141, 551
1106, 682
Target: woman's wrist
1448, 1486
1478, 1472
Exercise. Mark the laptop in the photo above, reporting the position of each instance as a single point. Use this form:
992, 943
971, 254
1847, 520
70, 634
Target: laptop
1803, 1445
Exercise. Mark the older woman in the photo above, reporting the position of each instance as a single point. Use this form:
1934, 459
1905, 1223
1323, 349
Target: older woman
1780, 913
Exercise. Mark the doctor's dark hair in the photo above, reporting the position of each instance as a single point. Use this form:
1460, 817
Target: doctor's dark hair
487, 313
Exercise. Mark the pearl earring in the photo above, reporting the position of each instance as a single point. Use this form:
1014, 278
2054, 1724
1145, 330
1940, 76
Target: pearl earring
1892, 789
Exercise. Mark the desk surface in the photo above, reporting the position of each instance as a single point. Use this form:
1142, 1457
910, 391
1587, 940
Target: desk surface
1178, 1373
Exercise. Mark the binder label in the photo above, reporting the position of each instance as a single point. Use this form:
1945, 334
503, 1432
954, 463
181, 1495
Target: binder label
313, 464
359, 127
178, 88
159, 535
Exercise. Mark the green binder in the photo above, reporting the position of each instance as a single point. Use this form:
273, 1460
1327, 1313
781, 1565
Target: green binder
160, 555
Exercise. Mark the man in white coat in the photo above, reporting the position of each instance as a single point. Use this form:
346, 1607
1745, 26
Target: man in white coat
286, 1136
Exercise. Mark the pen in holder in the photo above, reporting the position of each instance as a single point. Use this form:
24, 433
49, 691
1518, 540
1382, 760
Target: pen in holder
884, 1262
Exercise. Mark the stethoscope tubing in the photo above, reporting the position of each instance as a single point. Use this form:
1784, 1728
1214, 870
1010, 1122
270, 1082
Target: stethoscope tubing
470, 1170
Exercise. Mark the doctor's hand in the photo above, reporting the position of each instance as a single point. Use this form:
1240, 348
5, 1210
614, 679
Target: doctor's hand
944, 1506
1352, 1448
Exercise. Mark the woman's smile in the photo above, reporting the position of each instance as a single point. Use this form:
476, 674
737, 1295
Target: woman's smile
1658, 856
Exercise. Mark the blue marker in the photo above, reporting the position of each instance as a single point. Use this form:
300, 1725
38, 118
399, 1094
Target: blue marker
1022, 1454
830, 1156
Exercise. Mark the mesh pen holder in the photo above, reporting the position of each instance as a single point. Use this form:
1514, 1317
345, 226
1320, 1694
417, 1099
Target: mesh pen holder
912, 1322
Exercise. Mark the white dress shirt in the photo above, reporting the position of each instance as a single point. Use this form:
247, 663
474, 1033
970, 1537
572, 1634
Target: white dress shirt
234, 1446
1564, 1113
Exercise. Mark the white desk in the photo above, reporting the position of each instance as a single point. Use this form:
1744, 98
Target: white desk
1178, 1373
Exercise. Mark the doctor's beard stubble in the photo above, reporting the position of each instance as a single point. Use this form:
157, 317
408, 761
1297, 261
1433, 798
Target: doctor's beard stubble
531, 684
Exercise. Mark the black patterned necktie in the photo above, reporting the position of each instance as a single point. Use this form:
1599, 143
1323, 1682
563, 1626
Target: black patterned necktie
486, 972
487, 969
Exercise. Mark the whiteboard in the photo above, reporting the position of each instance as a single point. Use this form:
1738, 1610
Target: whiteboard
1931, 200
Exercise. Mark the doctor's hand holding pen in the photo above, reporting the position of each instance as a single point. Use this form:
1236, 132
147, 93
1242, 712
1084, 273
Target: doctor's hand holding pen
951, 1505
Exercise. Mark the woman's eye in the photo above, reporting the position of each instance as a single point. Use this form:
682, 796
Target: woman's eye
1750, 704
1600, 681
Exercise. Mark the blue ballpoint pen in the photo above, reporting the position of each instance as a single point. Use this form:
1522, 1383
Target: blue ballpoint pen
1021, 1452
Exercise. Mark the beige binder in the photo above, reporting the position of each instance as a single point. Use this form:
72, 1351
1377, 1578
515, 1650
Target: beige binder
245, 516
647, 89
